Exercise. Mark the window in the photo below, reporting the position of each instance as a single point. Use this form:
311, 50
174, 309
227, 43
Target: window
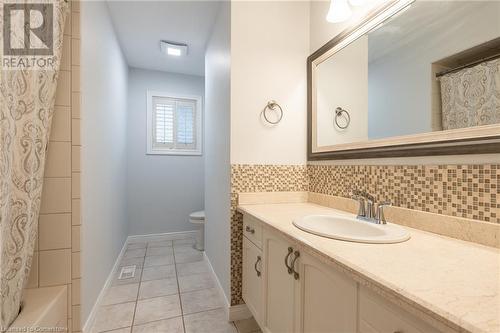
174, 124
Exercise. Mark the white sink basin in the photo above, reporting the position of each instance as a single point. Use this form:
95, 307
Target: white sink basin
351, 229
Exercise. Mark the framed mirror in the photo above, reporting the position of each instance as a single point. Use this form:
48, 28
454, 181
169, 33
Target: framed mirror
412, 78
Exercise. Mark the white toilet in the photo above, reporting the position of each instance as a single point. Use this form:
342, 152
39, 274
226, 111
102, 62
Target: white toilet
198, 218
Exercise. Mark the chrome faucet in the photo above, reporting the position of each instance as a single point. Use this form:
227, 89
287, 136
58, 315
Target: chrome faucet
366, 209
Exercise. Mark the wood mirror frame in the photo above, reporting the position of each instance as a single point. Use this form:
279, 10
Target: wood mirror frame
472, 140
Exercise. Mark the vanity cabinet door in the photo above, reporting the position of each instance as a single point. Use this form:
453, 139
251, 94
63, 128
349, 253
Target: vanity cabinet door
279, 296
328, 298
377, 315
252, 278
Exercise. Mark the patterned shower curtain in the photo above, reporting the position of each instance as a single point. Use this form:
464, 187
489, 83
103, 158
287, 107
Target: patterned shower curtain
471, 97
28, 79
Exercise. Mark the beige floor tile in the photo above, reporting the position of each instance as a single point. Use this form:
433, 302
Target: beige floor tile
158, 272
173, 325
132, 246
247, 325
159, 251
155, 288
185, 241
188, 256
157, 308
195, 282
214, 321
121, 314
134, 253
203, 300
160, 243
121, 294
139, 262
159, 260
189, 268
121, 330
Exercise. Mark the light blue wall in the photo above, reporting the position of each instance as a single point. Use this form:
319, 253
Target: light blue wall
162, 189
103, 159
217, 164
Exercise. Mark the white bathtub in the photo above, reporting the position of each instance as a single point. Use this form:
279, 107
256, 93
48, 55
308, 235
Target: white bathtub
44, 310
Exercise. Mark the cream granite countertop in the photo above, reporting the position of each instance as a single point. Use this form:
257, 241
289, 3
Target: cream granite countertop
455, 282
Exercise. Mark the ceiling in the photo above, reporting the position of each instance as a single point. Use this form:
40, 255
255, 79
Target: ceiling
140, 25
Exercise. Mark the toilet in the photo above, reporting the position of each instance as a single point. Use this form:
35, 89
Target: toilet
198, 218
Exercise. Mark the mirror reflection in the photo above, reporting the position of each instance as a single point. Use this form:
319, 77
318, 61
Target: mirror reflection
433, 66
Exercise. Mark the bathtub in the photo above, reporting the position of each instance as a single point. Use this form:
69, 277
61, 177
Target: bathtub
43, 310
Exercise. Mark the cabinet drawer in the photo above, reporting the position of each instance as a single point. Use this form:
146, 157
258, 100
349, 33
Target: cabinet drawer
252, 229
377, 315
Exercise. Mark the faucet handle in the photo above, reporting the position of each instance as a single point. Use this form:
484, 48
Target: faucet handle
368, 197
380, 217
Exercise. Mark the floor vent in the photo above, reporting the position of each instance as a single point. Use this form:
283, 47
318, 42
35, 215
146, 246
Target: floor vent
127, 272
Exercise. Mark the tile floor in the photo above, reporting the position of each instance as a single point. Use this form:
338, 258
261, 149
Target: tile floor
172, 292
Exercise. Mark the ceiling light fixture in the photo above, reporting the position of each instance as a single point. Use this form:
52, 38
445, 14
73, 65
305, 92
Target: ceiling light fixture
339, 11
173, 48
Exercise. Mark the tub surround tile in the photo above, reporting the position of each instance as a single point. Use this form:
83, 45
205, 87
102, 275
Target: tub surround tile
54, 231
157, 308
54, 267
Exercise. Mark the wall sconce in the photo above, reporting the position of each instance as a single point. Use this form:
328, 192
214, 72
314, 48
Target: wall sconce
340, 11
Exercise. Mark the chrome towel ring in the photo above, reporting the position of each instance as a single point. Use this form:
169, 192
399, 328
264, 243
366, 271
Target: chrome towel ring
272, 105
341, 113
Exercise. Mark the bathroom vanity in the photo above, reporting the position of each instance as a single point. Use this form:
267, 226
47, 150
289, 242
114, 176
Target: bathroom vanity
294, 281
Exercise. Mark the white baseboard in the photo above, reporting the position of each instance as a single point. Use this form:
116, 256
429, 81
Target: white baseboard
159, 236
87, 327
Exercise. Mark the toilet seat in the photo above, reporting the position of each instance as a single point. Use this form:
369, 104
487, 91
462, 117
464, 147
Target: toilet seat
197, 217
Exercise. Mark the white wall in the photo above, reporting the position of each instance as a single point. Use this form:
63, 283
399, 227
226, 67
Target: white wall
269, 48
103, 158
162, 189
342, 81
217, 167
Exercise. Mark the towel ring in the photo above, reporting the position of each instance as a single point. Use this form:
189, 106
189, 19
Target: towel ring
272, 105
338, 113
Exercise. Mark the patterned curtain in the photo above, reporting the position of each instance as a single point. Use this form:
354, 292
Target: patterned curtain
471, 97
28, 82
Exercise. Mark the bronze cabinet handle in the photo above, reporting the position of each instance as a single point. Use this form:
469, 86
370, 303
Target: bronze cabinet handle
255, 266
290, 251
295, 273
250, 230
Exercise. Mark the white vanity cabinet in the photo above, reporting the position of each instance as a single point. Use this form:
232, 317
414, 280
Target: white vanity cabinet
296, 292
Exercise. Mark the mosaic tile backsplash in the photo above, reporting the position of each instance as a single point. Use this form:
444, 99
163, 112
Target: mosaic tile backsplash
470, 191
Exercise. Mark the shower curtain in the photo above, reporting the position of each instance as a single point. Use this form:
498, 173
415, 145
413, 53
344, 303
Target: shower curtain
471, 97
27, 98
